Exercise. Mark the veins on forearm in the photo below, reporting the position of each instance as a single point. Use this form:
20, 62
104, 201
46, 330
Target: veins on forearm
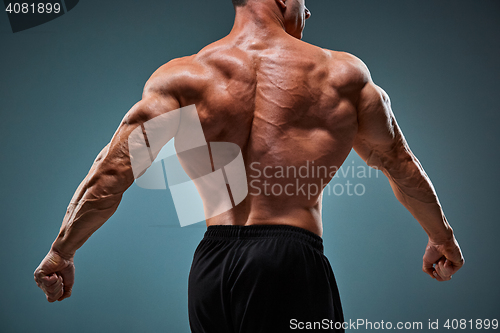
101, 190
405, 172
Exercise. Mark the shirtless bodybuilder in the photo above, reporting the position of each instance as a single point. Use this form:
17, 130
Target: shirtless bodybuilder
284, 103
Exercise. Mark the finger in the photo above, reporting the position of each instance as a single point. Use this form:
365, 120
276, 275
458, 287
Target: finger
50, 280
429, 271
438, 277
445, 267
443, 273
39, 275
437, 271
55, 291
428, 268
441, 277
53, 286
54, 294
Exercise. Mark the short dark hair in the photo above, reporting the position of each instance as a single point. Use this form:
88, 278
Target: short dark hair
239, 3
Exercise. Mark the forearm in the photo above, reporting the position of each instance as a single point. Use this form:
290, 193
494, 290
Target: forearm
413, 188
94, 202
82, 219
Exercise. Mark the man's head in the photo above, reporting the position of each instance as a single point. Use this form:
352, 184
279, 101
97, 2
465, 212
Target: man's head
293, 13
239, 3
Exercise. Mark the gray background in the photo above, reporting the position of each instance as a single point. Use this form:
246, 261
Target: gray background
66, 85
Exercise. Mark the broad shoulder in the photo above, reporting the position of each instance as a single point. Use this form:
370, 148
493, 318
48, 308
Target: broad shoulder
349, 71
180, 78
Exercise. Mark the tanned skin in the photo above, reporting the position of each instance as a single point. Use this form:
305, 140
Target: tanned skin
284, 102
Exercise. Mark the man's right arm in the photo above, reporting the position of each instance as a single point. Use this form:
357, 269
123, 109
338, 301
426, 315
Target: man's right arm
100, 193
381, 144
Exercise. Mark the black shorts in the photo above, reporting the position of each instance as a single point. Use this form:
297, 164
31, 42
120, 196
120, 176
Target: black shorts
256, 279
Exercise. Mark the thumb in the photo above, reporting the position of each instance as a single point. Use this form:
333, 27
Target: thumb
428, 268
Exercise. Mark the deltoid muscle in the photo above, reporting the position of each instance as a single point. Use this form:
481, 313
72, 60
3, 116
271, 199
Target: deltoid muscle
205, 179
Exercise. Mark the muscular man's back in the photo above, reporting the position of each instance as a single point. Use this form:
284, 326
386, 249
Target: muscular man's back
287, 104
295, 111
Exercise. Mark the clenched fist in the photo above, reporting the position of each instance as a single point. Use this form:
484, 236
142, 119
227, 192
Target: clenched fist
55, 276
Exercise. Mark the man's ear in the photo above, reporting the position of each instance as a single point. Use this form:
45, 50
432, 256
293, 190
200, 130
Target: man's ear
281, 4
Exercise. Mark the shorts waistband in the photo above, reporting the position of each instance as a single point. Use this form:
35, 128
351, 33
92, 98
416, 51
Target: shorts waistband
237, 232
